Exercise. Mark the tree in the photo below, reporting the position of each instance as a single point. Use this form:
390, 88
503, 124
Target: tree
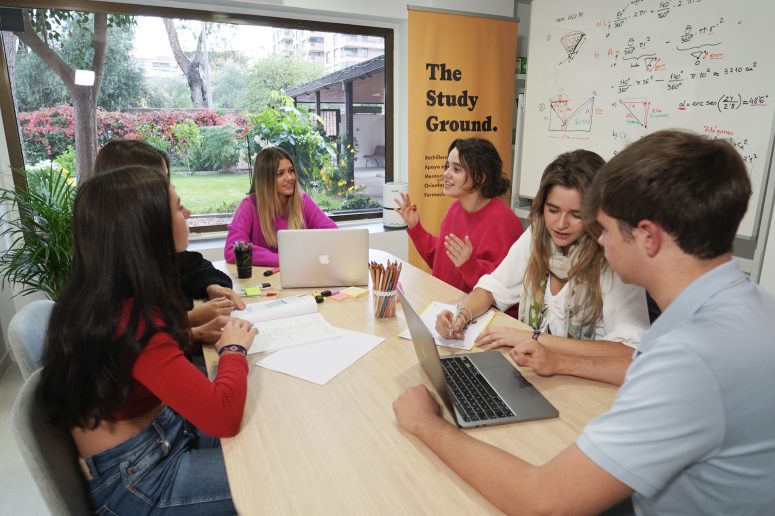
123, 85
229, 79
190, 67
42, 26
275, 73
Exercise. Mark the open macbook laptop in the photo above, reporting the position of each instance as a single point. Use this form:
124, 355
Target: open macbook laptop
323, 257
480, 389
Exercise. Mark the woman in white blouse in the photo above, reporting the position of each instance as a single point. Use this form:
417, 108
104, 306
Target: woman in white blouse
578, 307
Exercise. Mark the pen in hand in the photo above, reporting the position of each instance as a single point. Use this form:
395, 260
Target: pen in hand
454, 318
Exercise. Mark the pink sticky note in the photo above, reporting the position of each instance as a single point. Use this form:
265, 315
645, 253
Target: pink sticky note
340, 296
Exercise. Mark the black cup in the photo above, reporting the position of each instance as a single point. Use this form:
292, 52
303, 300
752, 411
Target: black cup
244, 260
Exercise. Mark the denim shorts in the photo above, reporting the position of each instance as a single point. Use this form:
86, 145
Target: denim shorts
168, 468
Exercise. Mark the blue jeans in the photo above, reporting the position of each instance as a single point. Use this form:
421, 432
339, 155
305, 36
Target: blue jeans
169, 468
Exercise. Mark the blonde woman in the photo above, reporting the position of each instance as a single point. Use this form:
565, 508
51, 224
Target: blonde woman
274, 202
575, 303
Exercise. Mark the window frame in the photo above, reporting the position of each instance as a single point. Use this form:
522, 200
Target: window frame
8, 112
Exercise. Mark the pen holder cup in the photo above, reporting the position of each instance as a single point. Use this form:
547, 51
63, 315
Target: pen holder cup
384, 303
244, 260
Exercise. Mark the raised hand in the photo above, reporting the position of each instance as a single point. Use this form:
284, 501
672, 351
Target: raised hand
407, 210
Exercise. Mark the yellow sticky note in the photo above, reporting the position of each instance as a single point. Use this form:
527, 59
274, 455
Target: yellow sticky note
253, 291
354, 292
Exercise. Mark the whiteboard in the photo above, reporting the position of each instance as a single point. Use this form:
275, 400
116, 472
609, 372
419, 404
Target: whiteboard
603, 73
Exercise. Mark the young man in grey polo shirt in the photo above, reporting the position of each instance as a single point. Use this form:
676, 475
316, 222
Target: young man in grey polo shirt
691, 430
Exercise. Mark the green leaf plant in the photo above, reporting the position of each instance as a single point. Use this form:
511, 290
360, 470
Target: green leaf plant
38, 226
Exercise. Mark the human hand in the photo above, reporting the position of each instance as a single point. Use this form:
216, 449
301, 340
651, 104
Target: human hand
459, 251
216, 291
531, 353
211, 331
449, 328
208, 311
415, 408
237, 331
407, 210
501, 336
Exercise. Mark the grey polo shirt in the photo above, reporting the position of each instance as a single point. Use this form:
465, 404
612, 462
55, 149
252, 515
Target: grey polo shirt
692, 429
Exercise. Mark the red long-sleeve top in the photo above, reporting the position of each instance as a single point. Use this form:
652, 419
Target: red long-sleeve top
491, 229
162, 373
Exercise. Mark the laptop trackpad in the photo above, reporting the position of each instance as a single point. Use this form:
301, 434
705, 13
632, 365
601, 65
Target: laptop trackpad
499, 371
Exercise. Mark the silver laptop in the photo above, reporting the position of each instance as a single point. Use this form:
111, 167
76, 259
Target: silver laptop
323, 257
480, 389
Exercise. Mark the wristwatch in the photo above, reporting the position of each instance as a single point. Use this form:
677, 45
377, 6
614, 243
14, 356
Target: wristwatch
233, 347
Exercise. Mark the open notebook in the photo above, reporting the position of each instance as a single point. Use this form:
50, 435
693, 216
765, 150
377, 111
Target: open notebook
286, 322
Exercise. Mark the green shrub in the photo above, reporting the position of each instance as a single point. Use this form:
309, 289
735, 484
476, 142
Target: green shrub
355, 200
295, 130
41, 251
218, 149
66, 160
186, 138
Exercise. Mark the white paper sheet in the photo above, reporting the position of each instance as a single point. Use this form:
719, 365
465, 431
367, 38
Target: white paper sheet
290, 332
471, 333
320, 362
277, 308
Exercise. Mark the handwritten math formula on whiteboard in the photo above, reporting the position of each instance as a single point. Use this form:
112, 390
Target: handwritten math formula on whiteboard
604, 73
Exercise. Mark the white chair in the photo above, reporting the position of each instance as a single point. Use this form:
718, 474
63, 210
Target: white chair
50, 454
27, 333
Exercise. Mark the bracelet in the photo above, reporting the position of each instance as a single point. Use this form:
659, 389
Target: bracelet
234, 348
536, 334
466, 320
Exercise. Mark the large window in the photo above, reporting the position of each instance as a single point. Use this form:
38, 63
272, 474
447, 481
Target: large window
209, 92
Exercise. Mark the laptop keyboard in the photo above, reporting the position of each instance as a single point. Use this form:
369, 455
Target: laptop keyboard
473, 397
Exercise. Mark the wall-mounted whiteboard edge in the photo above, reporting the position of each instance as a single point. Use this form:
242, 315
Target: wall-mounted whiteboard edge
764, 255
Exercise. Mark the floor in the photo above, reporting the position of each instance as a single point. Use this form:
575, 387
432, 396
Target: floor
18, 492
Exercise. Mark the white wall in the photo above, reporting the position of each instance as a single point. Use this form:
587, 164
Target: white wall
369, 132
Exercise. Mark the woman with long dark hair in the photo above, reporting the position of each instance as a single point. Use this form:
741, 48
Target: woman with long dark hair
198, 277
144, 419
274, 202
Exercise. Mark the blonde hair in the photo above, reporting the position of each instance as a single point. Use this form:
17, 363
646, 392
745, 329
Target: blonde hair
571, 170
268, 203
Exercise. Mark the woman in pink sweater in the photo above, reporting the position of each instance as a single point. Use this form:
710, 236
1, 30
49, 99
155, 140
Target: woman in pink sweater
274, 202
479, 227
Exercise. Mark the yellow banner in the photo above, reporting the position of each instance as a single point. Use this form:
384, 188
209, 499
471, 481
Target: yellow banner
461, 85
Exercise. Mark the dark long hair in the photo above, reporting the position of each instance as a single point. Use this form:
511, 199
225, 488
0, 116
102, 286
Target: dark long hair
483, 164
122, 153
124, 255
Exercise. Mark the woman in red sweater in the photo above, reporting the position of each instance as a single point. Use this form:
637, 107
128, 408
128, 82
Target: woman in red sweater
479, 227
144, 419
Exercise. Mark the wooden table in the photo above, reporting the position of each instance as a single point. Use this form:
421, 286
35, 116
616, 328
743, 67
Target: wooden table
336, 449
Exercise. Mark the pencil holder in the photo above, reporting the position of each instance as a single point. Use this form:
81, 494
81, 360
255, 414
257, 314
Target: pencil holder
384, 303
243, 257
